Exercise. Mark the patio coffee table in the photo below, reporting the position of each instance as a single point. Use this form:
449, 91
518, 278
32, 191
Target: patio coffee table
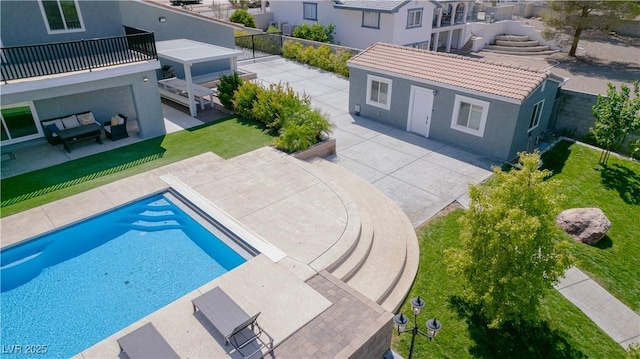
80, 133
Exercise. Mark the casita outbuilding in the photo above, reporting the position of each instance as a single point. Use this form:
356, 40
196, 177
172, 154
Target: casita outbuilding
494, 109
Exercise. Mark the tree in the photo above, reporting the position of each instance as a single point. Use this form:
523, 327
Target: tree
565, 20
616, 116
241, 16
511, 247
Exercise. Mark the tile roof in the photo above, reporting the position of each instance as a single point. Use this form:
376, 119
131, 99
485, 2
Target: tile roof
371, 5
493, 78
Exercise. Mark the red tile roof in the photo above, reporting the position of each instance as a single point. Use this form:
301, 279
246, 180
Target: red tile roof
498, 79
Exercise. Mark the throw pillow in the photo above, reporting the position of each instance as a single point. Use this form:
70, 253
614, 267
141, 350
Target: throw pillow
52, 128
115, 121
70, 121
86, 118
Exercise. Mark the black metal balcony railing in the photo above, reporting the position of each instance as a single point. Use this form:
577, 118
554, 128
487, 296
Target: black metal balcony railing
20, 62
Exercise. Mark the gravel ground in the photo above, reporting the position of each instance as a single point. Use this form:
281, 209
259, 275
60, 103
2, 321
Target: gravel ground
601, 58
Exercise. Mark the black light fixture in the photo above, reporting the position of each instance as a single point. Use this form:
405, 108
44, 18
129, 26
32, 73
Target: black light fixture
401, 322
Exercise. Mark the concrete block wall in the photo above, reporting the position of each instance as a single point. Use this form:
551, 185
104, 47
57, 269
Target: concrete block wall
575, 115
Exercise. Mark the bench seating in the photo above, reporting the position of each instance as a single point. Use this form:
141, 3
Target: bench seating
175, 97
70, 129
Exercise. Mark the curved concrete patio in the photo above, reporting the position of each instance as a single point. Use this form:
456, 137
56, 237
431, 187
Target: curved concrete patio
311, 218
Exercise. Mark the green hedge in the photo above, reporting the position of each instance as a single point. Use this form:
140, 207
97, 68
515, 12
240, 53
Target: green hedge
321, 57
283, 111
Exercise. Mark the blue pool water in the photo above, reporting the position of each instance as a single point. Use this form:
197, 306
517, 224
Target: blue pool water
63, 292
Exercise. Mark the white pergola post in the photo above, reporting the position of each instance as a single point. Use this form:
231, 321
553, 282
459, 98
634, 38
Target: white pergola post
192, 103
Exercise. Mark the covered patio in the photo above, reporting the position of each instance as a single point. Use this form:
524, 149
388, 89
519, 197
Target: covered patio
188, 53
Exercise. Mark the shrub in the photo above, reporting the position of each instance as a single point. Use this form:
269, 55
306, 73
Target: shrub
315, 32
302, 129
340, 59
274, 104
244, 98
292, 50
321, 57
227, 86
241, 16
272, 30
295, 137
281, 109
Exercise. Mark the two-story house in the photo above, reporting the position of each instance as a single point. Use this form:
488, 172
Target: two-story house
65, 57
62, 57
425, 24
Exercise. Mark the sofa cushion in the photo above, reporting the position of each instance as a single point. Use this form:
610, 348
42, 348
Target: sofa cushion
70, 121
53, 129
86, 118
57, 122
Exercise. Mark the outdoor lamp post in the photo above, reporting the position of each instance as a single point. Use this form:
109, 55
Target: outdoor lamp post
401, 322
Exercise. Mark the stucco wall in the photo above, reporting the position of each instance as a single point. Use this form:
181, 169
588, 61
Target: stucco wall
22, 23
502, 118
127, 94
522, 138
575, 114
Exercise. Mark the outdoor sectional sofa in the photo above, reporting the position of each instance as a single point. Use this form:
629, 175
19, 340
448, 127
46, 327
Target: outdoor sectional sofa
73, 128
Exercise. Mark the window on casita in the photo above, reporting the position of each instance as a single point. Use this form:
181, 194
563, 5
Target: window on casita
310, 11
414, 18
371, 19
61, 15
379, 92
535, 115
469, 115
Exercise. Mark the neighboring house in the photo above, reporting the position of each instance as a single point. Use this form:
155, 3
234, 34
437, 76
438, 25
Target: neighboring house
425, 24
64, 57
494, 109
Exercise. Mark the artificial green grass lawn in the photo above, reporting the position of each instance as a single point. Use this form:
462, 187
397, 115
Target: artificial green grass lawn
562, 332
227, 138
615, 189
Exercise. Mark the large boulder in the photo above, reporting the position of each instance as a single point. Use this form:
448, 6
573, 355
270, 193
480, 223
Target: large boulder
587, 225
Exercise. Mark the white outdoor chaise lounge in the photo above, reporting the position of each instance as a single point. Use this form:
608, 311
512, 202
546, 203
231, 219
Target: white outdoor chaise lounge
233, 323
146, 343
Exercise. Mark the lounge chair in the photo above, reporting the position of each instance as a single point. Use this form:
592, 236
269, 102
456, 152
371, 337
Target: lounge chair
233, 323
146, 342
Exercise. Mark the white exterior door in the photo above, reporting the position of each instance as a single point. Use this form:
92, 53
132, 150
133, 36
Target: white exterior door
420, 107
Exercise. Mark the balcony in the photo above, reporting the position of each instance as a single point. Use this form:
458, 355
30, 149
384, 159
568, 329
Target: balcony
20, 62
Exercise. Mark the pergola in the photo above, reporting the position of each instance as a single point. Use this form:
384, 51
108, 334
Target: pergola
189, 52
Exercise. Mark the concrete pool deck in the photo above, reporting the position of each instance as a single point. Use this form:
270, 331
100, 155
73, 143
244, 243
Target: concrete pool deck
302, 209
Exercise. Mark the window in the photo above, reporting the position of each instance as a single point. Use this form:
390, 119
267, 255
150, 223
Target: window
310, 11
414, 18
371, 19
535, 115
469, 115
378, 92
61, 15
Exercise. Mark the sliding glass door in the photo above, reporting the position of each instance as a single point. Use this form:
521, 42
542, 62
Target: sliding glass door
19, 123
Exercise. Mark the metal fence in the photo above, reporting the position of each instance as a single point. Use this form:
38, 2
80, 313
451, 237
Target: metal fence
48, 59
259, 45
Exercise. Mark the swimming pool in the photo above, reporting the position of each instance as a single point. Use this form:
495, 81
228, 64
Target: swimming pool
67, 290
